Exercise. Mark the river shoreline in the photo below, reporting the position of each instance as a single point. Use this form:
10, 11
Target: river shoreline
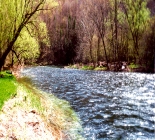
122, 68
33, 114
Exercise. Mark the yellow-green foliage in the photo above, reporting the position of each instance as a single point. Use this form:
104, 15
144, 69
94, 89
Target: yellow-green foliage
11, 16
52, 3
43, 33
138, 14
26, 45
18, 20
133, 66
101, 68
87, 68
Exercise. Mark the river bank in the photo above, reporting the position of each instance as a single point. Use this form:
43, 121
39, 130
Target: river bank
114, 67
32, 114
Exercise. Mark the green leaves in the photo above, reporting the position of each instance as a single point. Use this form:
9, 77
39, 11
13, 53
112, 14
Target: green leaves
26, 45
19, 28
136, 13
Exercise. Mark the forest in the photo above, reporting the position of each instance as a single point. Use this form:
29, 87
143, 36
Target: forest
67, 32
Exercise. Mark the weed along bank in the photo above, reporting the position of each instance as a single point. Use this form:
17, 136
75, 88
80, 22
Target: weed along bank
28, 113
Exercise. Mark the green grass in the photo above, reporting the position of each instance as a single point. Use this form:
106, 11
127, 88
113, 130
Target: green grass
133, 66
87, 67
100, 68
7, 87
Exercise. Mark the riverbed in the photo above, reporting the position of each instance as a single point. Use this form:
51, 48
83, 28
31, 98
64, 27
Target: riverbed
110, 105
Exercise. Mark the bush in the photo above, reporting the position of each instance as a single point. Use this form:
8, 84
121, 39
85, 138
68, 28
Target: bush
133, 66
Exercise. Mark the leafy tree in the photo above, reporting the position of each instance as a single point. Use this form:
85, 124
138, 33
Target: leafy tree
117, 34
26, 47
136, 15
14, 16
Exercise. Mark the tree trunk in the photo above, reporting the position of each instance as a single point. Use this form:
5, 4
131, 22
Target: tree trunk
3, 58
9, 47
105, 52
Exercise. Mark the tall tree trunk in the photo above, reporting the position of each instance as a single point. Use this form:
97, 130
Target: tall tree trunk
4, 55
98, 50
105, 52
116, 32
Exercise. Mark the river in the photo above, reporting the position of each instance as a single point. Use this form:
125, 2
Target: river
110, 105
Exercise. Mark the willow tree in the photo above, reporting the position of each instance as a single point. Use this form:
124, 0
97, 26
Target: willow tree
15, 15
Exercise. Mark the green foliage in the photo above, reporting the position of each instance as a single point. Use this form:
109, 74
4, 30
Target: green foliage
18, 20
7, 87
27, 46
133, 66
43, 33
11, 13
87, 67
101, 68
136, 14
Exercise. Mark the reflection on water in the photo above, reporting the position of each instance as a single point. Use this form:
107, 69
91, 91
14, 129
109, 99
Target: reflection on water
110, 105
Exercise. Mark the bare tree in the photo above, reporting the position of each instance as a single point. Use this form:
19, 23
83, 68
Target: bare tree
87, 28
99, 15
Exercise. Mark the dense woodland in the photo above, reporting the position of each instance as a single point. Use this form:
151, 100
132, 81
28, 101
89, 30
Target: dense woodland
65, 32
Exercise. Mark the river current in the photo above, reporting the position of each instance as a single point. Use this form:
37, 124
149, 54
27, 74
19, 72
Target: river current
111, 106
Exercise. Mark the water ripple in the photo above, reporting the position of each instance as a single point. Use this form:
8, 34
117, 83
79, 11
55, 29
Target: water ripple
110, 105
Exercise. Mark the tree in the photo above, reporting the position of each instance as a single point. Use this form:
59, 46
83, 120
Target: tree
62, 29
15, 15
117, 34
87, 28
136, 15
148, 53
97, 14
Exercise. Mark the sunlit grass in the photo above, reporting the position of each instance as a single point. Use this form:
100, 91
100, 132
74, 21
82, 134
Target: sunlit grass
100, 68
7, 87
87, 67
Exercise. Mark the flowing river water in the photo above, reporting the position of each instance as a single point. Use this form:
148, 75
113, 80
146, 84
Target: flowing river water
111, 106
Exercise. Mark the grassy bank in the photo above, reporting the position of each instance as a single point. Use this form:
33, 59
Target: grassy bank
7, 87
55, 118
